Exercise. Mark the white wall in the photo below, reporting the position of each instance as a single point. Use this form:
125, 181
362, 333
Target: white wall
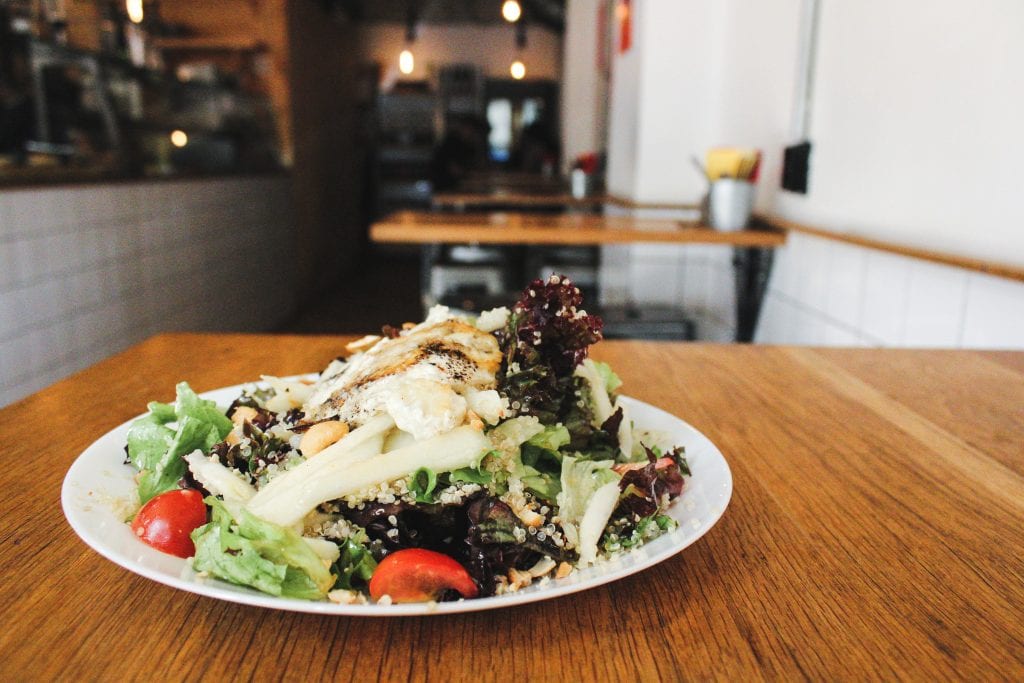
753, 102
678, 80
916, 125
916, 134
492, 48
660, 111
88, 271
915, 120
584, 86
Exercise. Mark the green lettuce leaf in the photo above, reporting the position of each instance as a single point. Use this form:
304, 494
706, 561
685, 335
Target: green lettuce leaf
355, 565
589, 494
544, 485
542, 462
233, 558
148, 440
164, 412
611, 380
422, 485
188, 404
471, 475
156, 449
551, 439
239, 547
163, 474
580, 479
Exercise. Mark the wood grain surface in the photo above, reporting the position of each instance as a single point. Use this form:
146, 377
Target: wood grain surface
874, 533
423, 227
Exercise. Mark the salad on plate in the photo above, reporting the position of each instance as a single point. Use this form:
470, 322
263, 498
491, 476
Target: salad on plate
451, 459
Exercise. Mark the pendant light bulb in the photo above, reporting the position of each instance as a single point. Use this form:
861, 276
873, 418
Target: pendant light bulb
406, 63
511, 11
134, 10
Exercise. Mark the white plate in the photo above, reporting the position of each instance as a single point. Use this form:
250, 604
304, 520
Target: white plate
98, 480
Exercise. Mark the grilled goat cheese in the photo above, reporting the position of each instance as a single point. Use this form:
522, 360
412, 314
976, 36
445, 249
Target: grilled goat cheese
426, 378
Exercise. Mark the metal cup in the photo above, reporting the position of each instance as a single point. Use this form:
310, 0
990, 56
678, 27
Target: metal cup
730, 204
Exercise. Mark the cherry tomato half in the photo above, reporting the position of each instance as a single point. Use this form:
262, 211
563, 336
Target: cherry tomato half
166, 521
418, 575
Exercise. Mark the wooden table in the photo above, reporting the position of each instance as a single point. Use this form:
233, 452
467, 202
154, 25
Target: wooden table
753, 249
461, 201
874, 533
517, 199
426, 227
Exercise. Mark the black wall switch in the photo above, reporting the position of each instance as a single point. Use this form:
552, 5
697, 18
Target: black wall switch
795, 164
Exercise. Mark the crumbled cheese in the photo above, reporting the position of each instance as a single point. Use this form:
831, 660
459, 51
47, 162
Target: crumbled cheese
340, 596
494, 319
488, 404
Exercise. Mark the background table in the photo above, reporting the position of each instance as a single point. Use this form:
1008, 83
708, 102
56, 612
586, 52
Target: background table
572, 229
874, 532
519, 199
462, 201
752, 249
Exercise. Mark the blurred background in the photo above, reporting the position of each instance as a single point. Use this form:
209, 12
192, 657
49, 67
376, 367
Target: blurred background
183, 165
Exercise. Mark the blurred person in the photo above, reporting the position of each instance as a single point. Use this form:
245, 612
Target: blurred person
538, 149
462, 149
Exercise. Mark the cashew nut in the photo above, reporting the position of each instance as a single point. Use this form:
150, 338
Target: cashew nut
243, 414
530, 518
321, 435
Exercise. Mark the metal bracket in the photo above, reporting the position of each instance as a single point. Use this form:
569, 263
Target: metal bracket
753, 265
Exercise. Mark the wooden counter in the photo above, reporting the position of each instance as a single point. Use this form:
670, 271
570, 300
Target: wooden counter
524, 200
874, 533
545, 200
424, 227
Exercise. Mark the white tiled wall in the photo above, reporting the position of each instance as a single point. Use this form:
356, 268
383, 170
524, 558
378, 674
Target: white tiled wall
87, 271
698, 278
830, 293
826, 293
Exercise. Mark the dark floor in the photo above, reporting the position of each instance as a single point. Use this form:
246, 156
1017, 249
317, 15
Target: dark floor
385, 291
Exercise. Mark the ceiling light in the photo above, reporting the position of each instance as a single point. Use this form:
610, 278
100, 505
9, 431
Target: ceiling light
179, 138
511, 11
134, 9
518, 70
406, 62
